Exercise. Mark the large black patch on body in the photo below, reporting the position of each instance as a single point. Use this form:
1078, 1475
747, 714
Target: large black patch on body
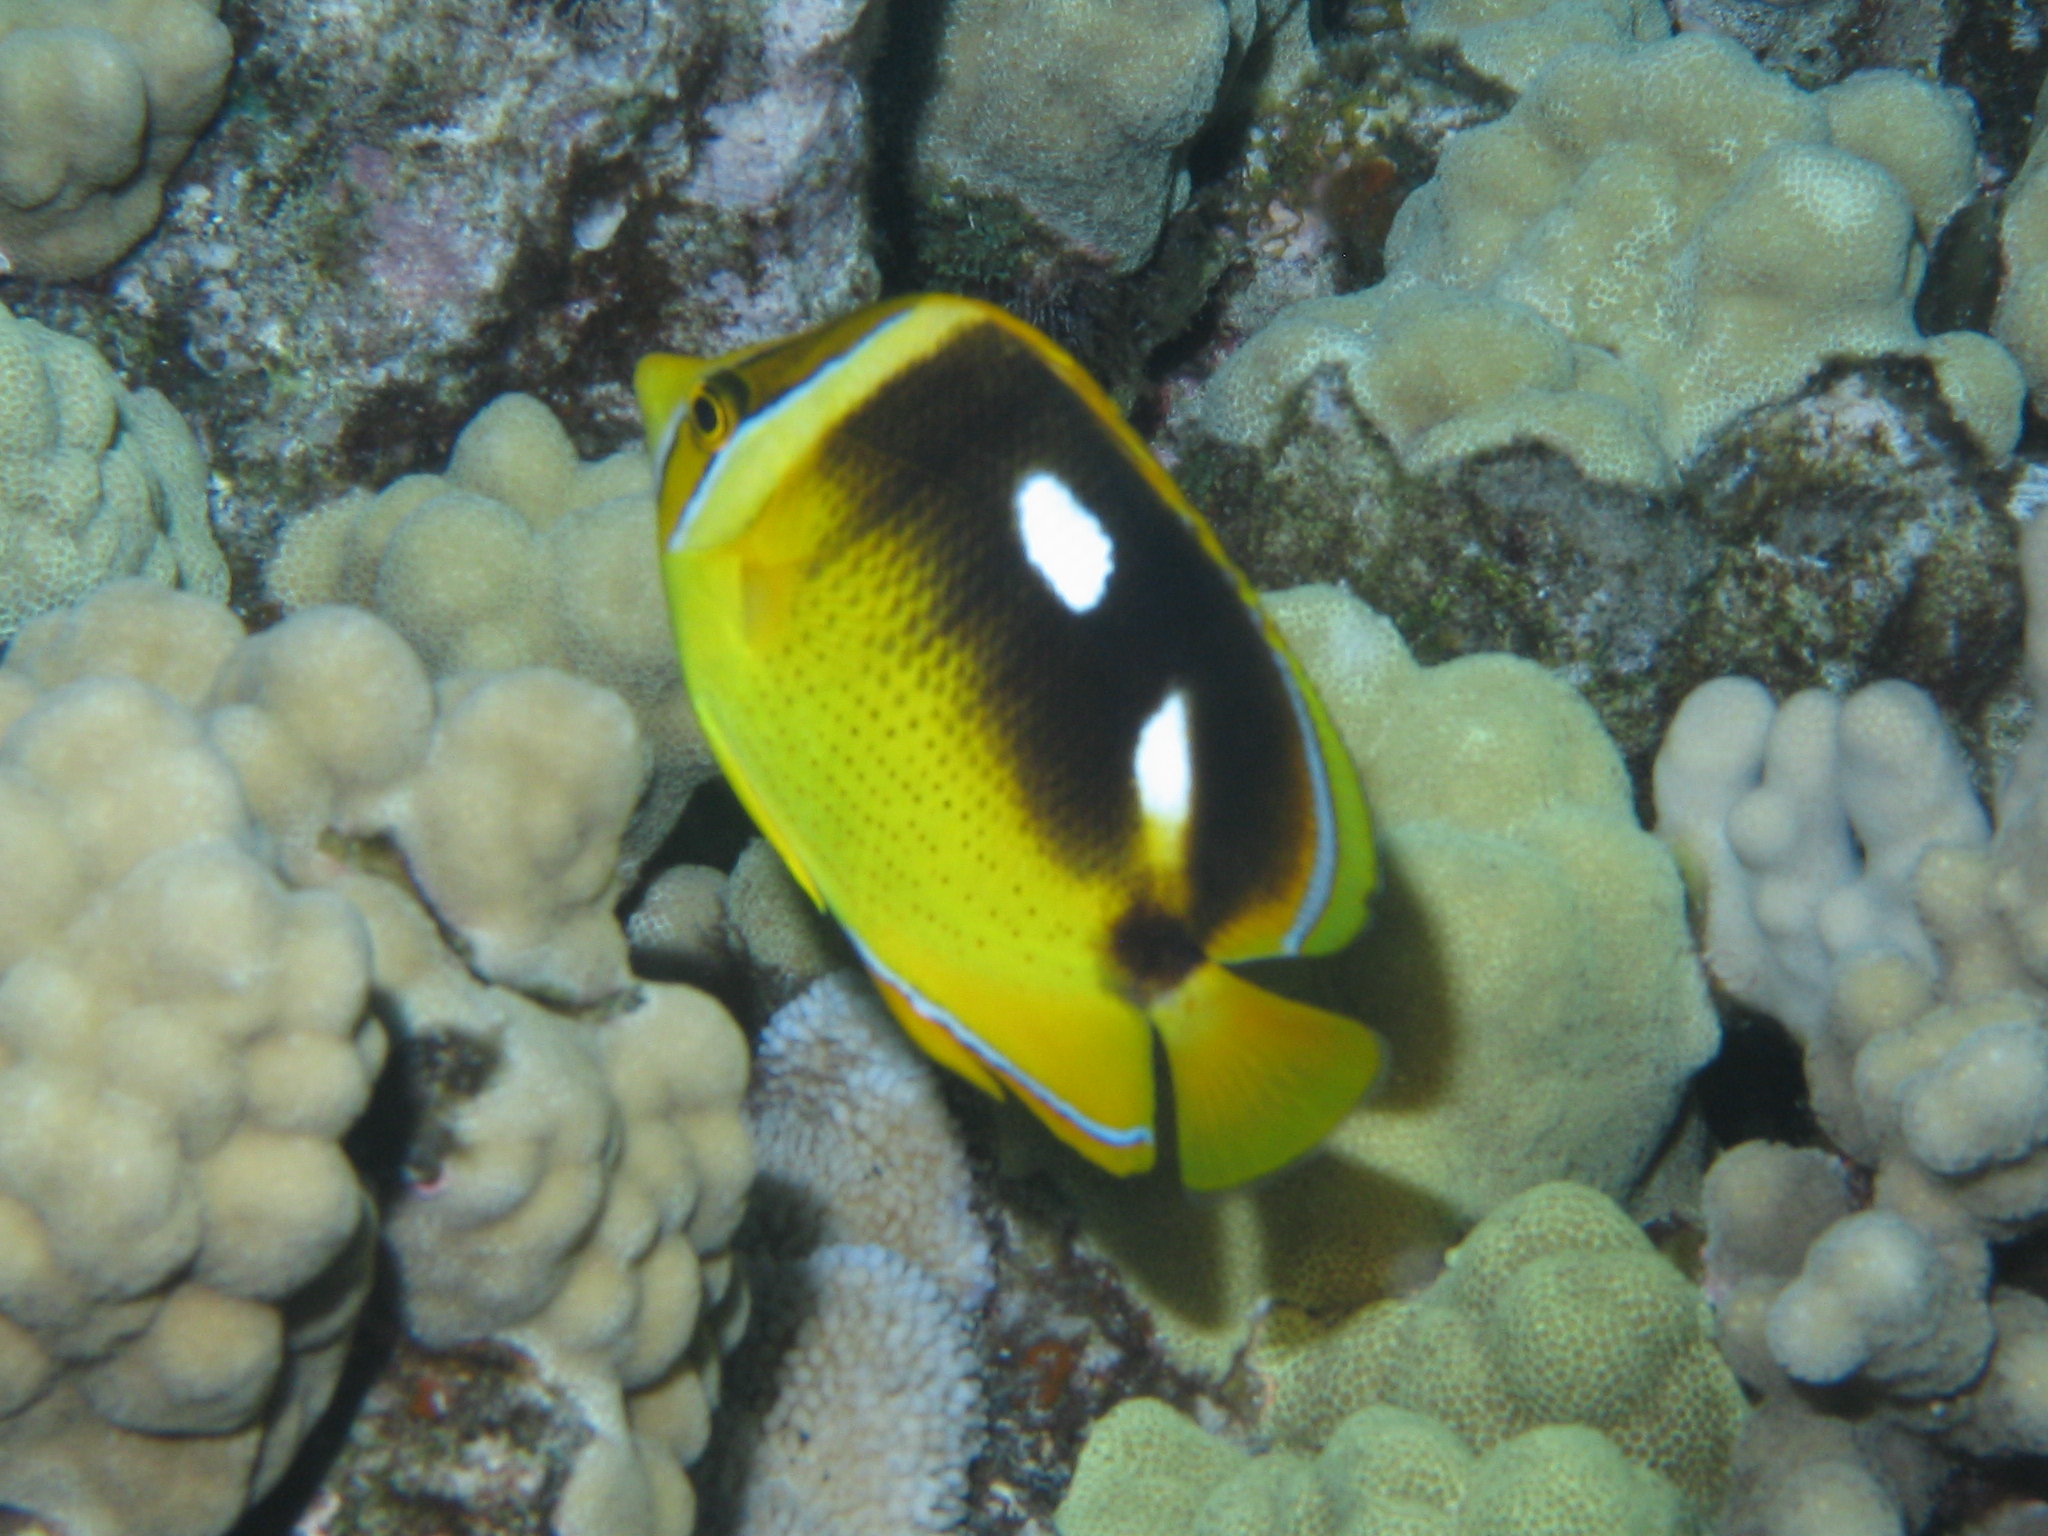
939, 452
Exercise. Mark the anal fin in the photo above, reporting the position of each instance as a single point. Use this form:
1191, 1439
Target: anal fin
937, 1042
1258, 1078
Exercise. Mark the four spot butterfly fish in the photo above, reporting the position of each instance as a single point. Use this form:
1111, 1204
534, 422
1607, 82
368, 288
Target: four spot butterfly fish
990, 686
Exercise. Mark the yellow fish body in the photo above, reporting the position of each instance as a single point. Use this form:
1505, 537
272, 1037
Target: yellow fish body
988, 683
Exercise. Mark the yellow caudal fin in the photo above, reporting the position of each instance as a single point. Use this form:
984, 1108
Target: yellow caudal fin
1258, 1078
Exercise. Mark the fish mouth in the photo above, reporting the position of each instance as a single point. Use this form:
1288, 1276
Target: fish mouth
1154, 950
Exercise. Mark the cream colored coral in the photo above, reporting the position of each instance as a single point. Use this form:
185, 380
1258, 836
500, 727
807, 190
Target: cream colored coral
590, 1180
99, 102
520, 556
1808, 822
1081, 110
1512, 40
1555, 1310
876, 1411
1530, 963
2021, 321
779, 932
505, 792
679, 923
183, 1043
865, 1410
575, 1180
852, 1132
1385, 1471
95, 482
1656, 239
513, 824
1923, 1013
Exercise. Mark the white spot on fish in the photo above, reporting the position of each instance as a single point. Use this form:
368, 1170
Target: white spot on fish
1064, 541
1165, 768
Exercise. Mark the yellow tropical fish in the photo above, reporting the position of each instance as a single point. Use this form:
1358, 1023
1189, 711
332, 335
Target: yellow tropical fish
988, 683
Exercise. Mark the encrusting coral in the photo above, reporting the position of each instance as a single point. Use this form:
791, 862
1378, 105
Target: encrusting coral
1529, 963
221, 829
520, 556
1855, 891
95, 482
99, 102
1559, 1378
1656, 239
861, 1408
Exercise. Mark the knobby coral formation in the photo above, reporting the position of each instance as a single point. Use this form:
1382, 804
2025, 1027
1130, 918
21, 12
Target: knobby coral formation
1856, 892
96, 482
1082, 111
1529, 963
520, 556
99, 102
1658, 238
1559, 1378
226, 846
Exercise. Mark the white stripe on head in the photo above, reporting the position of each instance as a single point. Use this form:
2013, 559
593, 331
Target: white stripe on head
751, 428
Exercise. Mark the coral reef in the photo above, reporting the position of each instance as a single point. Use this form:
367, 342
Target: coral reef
1511, 40
96, 482
183, 1043
1744, 262
857, 1404
99, 102
520, 556
1560, 1377
1081, 112
1856, 892
1845, 535
1530, 943
227, 836
2022, 318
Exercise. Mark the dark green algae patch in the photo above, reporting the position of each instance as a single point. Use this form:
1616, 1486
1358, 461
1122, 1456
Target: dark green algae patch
1850, 534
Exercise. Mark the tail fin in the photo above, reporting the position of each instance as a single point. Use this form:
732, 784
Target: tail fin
1258, 1078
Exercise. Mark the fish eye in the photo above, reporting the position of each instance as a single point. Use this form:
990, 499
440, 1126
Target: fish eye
706, 416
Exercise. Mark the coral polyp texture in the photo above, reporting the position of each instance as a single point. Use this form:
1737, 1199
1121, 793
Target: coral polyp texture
2022, 318
183, 1042
1511, 40
1559, 1379
96, 481
1529, 963
1094, 148
1656, 239
221, 848
99, 102
1856, 891
863, 1407
520, 556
